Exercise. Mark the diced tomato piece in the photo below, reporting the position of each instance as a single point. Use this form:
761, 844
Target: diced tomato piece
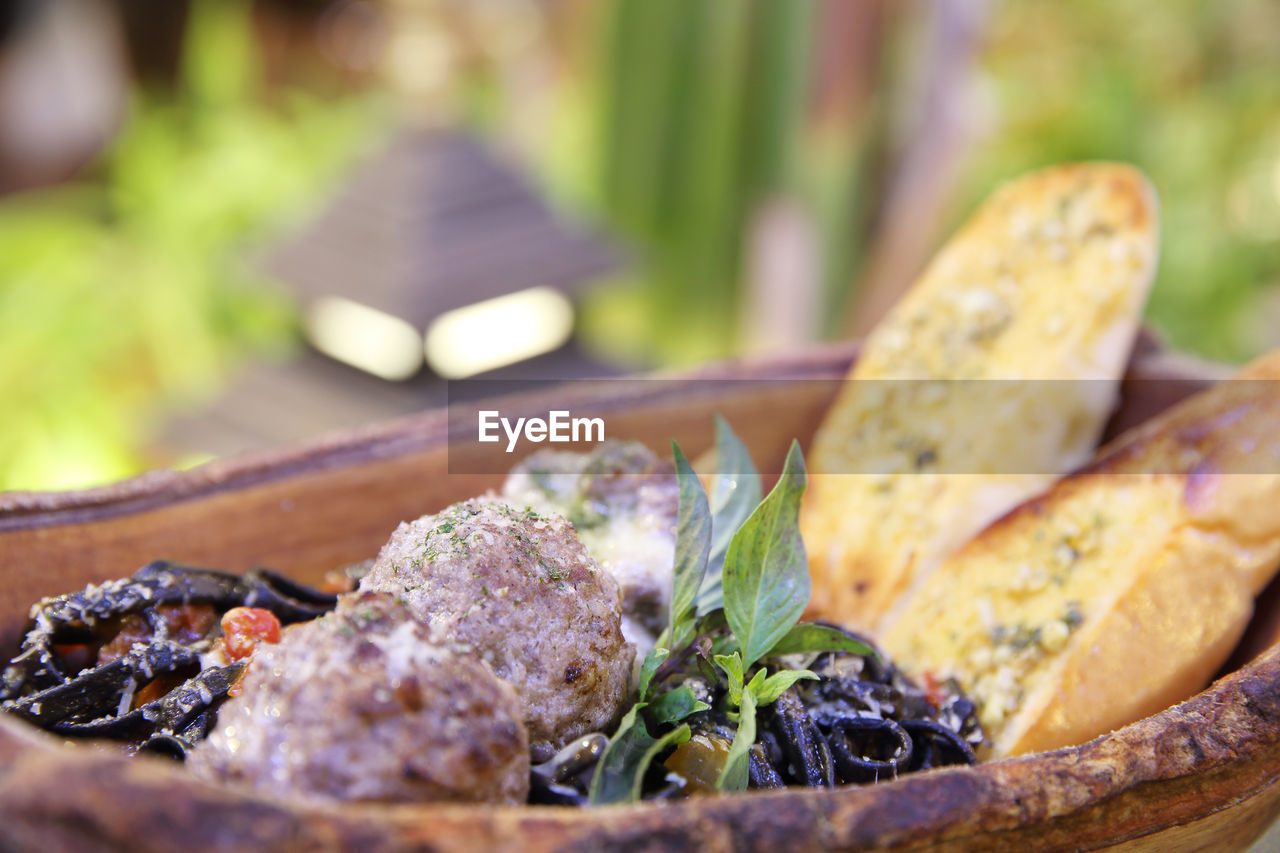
338, 581
244, 627
934, 690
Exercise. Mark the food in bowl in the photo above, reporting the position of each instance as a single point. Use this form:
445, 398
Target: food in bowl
361, 704
485, 637
518, 590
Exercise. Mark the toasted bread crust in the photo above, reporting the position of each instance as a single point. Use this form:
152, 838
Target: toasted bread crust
1154, 552
1045, 282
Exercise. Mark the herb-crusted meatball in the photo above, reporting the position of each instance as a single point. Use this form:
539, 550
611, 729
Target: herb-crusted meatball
520, 590
360, 705
622, 498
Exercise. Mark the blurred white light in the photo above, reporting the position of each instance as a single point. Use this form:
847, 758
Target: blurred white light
364, 337
499, 331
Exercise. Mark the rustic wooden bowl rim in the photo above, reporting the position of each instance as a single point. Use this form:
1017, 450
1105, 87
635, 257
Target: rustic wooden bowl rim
1208, 753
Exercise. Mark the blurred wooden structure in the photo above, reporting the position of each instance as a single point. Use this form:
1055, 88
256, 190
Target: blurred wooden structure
430, 222
433, 221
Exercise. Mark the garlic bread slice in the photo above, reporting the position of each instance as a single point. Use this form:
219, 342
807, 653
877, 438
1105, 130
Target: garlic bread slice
954, 411
1122, 589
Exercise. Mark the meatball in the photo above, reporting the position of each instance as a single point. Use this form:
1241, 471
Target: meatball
623, 501
520, 590
360, 705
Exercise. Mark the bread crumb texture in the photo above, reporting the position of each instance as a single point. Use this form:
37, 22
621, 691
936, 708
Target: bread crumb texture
956, 410
1122, 589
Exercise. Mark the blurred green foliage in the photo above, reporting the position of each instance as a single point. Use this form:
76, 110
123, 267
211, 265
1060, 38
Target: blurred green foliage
131, 291
689, 113
1190, 92
681, 143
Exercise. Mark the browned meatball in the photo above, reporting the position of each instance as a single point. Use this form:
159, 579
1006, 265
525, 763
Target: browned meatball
519, 589
360, 705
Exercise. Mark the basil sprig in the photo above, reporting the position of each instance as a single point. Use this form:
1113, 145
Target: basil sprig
735, 493
631, 750
740, 561
693, 547
762, 689
808, 637
735, 774
766, 573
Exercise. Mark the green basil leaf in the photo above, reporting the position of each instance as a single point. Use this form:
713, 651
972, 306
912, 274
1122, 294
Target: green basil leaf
766, 573
693, 540
675, 705
732, 667
617, 769
808, 637
680, 635
735, 773
652, 661
769, 689
735, 493
725, 644
711, 595
619, 776
675, 737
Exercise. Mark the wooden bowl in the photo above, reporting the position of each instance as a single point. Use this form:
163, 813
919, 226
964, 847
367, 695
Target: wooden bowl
1197, 775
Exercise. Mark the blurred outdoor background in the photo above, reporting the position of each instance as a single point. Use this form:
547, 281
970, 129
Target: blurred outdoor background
226, 225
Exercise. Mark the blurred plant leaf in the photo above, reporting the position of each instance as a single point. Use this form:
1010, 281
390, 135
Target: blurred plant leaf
129, 292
